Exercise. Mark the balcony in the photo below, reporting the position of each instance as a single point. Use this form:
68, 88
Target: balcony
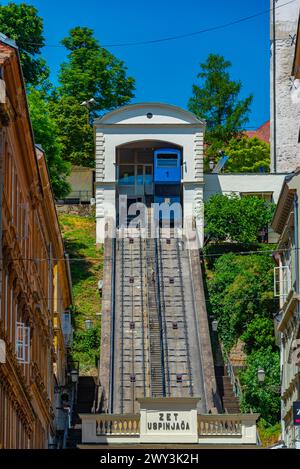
209, 429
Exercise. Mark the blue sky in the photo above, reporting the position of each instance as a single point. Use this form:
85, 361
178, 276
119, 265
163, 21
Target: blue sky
166, 71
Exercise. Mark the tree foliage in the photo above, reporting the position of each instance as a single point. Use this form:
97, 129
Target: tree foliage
216, 99
262, 397
93, 72
236, 219
247, 155
86, 347
240, 294
22, 23
75, 132
46, 134
259, 334
90, 72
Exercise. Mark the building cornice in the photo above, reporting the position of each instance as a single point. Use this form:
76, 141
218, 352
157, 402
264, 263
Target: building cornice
288, 310
148, 105
194, 126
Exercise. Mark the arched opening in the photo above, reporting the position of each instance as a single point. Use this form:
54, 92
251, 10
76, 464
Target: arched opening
149, 171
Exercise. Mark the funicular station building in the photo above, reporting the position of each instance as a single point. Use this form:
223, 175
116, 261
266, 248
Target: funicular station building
129, 162
157, 383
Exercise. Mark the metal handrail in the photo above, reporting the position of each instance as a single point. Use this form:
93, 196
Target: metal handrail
237, 389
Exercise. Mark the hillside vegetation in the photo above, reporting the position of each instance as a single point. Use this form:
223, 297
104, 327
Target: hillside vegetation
239, 283
86, 268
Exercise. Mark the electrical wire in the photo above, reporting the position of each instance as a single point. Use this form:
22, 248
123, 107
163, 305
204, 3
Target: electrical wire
179, 36
203, 254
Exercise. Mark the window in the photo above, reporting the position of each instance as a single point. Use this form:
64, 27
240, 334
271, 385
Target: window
268, 196
148, 174
167, 190
22, 343
22, 220
167, 161
139, 174
126, 175
67, 328
282, 281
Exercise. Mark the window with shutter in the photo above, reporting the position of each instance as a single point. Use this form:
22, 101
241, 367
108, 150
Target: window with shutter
23, 343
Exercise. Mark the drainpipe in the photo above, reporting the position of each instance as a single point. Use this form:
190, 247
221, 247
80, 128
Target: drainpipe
4, 124
296, 240
274, 92
2, 146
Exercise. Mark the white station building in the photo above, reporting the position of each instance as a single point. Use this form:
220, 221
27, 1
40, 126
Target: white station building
125, 142
126, 139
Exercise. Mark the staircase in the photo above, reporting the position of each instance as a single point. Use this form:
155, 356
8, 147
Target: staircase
157, 387
229, 400
84, 403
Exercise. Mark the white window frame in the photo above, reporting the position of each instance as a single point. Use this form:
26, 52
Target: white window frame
282, 281
22, 343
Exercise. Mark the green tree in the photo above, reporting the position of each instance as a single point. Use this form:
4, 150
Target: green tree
236, 219
75, 133
217, 101
247, 155
90, 72
259, 334
22, 23
241, 291
86, 347
46, 134
262, 397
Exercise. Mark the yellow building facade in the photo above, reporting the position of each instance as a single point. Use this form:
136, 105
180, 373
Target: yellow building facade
35, 284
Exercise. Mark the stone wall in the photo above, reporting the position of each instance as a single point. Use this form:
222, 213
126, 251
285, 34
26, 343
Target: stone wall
84, 210
287, 91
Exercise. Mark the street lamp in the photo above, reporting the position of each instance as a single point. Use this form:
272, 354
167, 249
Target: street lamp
211, 164
88, 324
74, 375
88, 104
214, 325
261, 375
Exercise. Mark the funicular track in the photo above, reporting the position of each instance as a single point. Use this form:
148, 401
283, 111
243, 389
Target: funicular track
174, 316
157, 351
156, 344
131, 328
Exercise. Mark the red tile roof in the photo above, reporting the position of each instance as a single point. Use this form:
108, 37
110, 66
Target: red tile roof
263, 132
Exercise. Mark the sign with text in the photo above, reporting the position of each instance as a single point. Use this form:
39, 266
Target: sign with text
169, 420
296, 413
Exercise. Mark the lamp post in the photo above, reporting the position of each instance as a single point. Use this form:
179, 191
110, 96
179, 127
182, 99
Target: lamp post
211, 164
88, 324
88, 104
74, 375
261, 375
214, 325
